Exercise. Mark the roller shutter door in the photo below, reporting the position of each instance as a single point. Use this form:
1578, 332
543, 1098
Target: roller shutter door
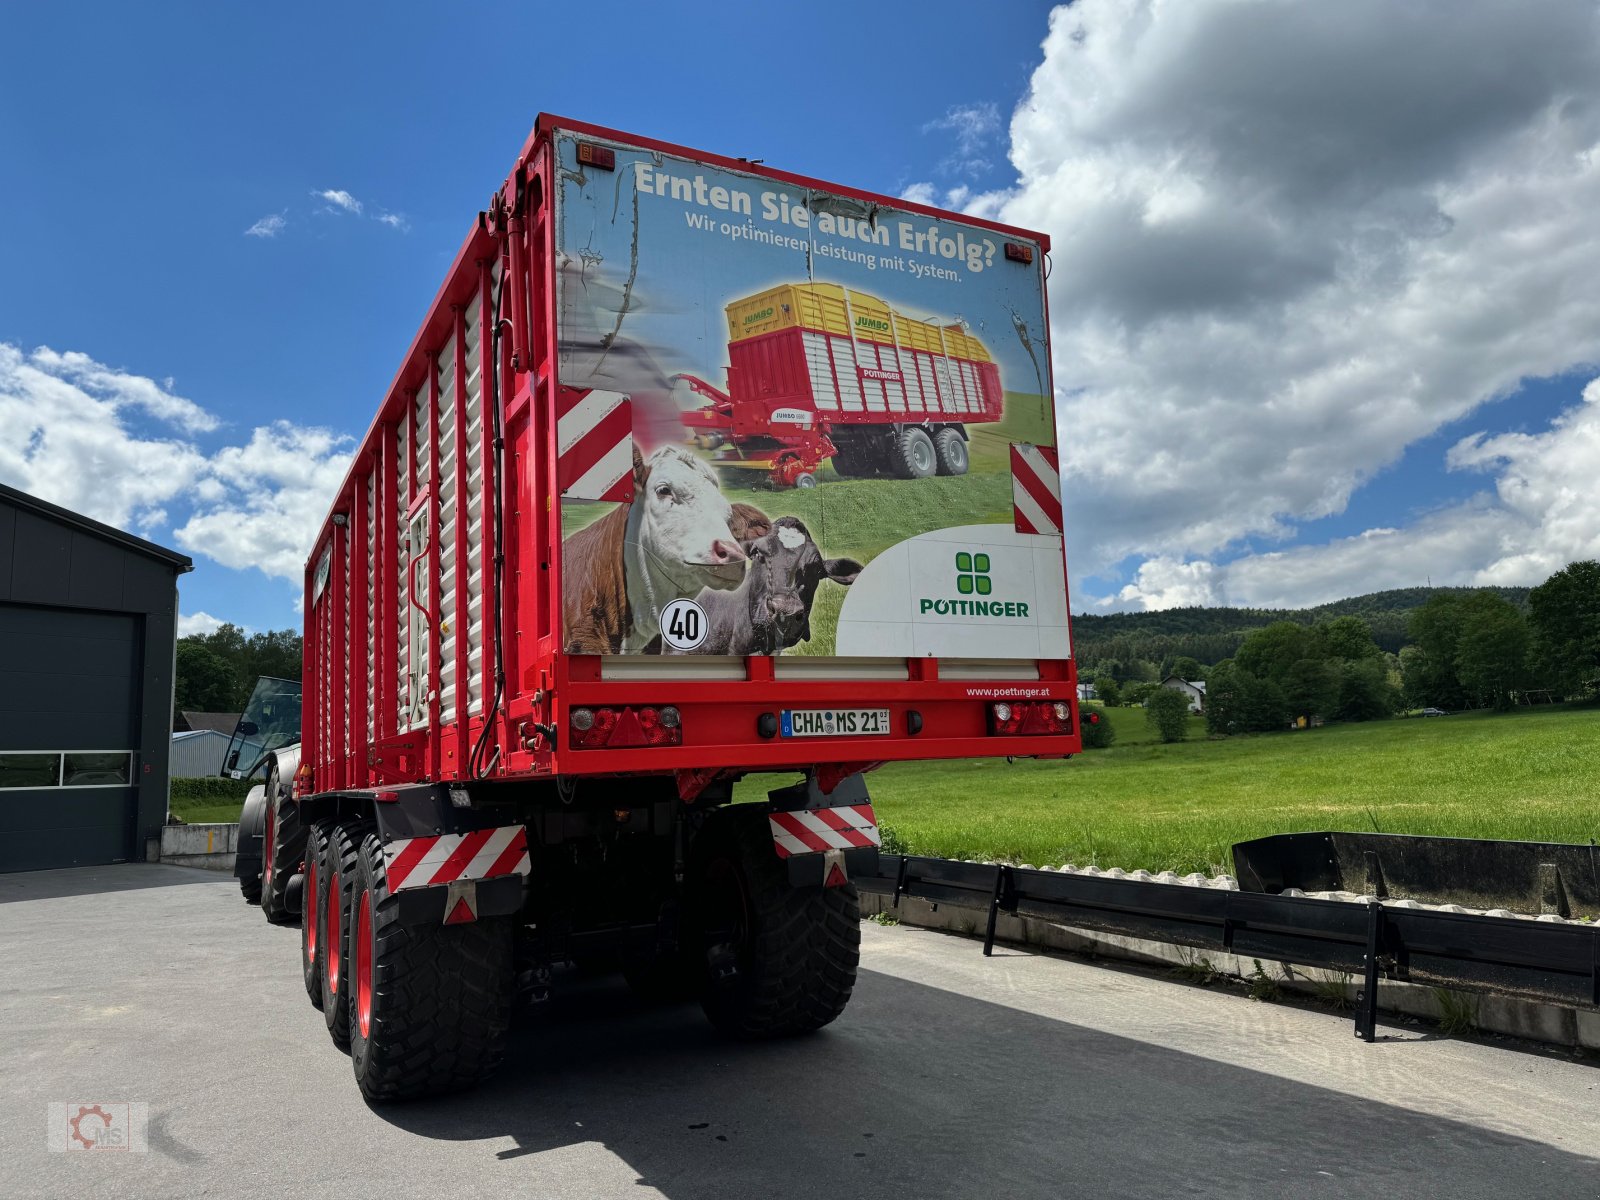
69, 704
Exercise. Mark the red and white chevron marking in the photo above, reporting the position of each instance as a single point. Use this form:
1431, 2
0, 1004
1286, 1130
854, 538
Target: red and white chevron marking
810, 830
481, 854
1035, 488
594, 445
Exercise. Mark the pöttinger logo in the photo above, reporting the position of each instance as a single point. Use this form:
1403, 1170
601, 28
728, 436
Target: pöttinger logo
973, 579
972, 574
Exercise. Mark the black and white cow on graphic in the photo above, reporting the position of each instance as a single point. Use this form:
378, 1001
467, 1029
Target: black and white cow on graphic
771, 610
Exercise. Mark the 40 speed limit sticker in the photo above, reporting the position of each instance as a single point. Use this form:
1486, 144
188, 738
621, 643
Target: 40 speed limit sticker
683, 625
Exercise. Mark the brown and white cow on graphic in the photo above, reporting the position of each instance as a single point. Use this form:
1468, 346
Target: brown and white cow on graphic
674, 541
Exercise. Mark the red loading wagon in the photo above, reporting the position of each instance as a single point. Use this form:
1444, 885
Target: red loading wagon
478, 803
819, 370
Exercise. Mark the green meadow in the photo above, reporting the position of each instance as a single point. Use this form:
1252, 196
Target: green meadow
1532, 774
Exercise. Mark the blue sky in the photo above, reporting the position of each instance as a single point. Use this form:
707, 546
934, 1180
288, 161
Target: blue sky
1281, 375
134, 177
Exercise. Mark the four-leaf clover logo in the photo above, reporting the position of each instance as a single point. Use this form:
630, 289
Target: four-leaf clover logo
972, 574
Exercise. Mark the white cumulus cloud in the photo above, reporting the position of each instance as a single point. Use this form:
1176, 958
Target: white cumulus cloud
275, 491
1539, 516
198, 622
269, 226
973, 127
68, 434
340, 199
1290, 240
64, 437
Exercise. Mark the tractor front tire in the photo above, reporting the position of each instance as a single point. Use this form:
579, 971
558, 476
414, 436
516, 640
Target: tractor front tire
779, 960
282, 850
430, 1005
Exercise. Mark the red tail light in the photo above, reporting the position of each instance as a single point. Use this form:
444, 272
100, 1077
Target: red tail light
615, 728
302, 782
1030, 718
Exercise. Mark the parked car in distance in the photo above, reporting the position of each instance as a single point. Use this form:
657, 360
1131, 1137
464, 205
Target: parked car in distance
1434, 712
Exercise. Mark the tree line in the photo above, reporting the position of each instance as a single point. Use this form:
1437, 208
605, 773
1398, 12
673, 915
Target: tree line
1139, 646
1464, 648
217, 671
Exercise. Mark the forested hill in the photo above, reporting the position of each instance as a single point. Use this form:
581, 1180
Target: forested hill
1212, 634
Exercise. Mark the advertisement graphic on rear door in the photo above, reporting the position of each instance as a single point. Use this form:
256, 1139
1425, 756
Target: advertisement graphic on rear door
791, 422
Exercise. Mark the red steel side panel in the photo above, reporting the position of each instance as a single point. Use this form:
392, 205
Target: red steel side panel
491, 405
385, 618
463, 645
436, 485
333, 601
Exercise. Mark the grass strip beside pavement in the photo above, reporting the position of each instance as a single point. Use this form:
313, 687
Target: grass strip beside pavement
1526, 775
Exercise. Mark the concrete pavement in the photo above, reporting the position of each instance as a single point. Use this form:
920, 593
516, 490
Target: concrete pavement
949, 1075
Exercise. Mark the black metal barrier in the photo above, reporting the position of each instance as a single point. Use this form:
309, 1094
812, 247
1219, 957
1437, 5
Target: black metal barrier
1535, 960
1540, 877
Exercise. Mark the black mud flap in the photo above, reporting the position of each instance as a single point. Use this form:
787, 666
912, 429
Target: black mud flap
501, 896
827, 866
252, 828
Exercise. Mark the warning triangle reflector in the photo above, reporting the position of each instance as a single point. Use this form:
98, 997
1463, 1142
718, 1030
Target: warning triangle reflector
461, 914
836, 876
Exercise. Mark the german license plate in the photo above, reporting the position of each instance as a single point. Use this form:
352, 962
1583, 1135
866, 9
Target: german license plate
834, 722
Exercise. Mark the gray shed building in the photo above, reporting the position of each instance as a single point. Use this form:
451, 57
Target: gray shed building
88, 621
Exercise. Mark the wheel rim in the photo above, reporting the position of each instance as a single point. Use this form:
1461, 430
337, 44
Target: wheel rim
364, 964
921, 455
958, 457
334, 923
310, 911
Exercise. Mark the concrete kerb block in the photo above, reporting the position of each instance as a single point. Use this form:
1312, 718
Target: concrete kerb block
211, 846
1507, 1015
1519, 1018
1587, 1029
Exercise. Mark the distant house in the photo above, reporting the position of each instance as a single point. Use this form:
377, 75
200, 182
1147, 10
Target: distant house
1086, 692
1195, 691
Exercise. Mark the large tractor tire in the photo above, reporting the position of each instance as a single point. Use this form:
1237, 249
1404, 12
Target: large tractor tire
430, 1005
313, 945
951, 449
338, 873
914, 454
780, 960
247, 858
283, 848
